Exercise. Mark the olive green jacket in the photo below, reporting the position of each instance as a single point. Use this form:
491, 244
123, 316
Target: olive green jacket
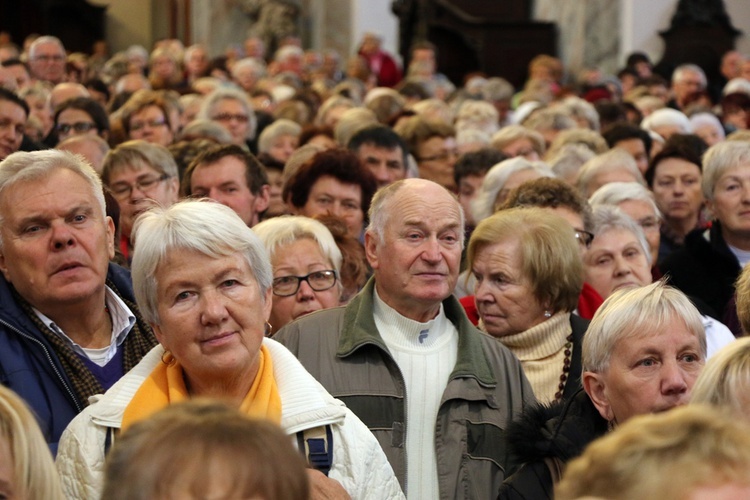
487, 389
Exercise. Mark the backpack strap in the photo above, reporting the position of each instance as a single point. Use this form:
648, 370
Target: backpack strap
316, 445
109, 439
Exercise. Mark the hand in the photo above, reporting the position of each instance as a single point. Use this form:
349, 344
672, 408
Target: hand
325, 488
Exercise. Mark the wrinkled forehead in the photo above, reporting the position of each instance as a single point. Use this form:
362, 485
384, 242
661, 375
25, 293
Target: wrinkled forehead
425, 196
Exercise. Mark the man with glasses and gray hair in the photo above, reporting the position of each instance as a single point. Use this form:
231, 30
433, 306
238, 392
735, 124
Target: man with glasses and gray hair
47, 59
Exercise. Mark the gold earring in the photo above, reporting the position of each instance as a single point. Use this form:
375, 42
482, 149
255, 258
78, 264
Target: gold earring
168, 358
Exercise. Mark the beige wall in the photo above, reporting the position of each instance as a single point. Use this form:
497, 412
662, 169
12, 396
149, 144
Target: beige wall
130, 22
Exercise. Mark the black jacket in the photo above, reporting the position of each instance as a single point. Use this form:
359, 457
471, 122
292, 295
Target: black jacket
704, 269
561, 430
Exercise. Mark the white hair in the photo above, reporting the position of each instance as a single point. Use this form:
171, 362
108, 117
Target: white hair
201, 226
667, 117
484, 204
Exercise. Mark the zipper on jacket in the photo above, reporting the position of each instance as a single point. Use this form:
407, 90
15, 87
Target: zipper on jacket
49, 358
406, 418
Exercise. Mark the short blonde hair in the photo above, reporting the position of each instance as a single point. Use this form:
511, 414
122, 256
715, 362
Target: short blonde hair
633, 312
663, 455
743, 299
725, 381
550, 258
138, 154
34, 474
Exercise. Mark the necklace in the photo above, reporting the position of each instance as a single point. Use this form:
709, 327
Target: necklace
566, 367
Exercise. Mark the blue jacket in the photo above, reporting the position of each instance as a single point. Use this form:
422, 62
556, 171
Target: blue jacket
30, 367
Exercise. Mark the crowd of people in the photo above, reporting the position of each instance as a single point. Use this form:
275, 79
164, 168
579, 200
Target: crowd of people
280, 276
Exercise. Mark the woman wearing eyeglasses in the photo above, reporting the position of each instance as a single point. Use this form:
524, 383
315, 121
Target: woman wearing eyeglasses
147, 115
306, 264
139, 175
231, 108
79, 116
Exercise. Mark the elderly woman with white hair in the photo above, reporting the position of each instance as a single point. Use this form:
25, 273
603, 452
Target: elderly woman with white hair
615, 165
247, 72
501, 180
619, 257
708, 127
280, 139
666, 122
203, 280
306, 267
637, 202
477, 115
231, 108
708, 264
642, 353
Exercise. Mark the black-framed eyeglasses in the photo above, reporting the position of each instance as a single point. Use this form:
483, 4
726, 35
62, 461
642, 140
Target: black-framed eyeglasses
77, 127
584, 237
319, 281
122, 190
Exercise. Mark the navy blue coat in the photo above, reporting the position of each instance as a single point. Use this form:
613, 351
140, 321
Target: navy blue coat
30, 367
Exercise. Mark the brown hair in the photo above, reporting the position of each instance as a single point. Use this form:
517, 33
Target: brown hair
194, 446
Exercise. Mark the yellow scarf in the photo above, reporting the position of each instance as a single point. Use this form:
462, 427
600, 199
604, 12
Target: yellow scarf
166, 385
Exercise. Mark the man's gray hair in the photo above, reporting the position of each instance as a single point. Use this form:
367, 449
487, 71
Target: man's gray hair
680, 71
24, 166
257, 66
201, 226
380, 209
232, 94
637, 312
42, 40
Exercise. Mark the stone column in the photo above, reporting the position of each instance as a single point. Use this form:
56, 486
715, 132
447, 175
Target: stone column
589, 32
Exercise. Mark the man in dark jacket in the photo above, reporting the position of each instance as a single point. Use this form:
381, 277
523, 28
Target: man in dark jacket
69, 328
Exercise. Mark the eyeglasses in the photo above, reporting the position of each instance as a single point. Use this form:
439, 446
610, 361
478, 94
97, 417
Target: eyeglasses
48, 58
149, 123
442, 156
122, 190
584, 237
319, 281
78, 127
225, 117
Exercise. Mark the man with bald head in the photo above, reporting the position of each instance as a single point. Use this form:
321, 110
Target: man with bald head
405, 336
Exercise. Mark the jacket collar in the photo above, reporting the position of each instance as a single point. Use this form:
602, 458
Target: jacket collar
359, 330
303, 402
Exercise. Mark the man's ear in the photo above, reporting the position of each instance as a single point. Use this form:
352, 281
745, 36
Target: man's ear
262, 199
371, 246
4, 266
594, 385
110, 237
